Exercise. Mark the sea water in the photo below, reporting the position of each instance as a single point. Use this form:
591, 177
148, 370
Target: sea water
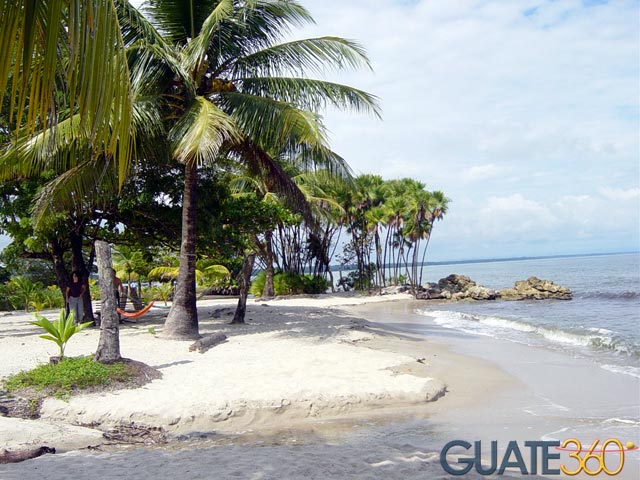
601, 322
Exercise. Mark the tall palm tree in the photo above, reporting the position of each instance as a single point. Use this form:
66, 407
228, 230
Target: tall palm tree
239, 93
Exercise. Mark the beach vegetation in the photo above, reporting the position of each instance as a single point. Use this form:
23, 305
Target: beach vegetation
162, 292
68, 375
60, 331
234, 96
289, 283
215, 100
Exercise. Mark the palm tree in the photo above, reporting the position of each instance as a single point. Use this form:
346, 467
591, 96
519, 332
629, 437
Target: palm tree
234, 95
77, 44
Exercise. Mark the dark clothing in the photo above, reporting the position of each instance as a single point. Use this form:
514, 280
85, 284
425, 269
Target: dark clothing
75, 289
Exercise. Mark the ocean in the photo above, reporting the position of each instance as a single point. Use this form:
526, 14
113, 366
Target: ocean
601, 323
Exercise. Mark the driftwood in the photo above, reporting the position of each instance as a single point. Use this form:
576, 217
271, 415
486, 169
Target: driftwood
205, 343
21, 455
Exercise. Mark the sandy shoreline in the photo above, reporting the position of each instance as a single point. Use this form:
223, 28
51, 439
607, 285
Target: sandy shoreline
329, 387
297, 360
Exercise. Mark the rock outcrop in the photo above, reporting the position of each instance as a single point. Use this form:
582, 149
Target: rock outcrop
461, 287
456, 287
535, 289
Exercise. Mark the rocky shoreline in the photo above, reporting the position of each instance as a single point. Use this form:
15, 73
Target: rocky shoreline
460, 287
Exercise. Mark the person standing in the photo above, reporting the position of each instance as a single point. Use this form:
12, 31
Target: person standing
75, 291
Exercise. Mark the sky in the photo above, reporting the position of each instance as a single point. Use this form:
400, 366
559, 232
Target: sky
524, 113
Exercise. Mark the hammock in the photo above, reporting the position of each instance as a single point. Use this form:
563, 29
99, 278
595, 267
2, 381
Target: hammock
137, 314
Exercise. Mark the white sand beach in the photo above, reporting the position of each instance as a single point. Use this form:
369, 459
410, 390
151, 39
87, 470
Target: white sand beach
325, 387
294, 361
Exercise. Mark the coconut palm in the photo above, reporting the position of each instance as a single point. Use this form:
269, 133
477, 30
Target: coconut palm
239, 93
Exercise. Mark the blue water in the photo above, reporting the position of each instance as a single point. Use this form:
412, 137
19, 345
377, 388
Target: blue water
601, 322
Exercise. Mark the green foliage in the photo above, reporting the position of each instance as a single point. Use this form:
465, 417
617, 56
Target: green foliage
59, 331
315, 284
69, 374
5, 304
160, 292
23, 292
257, 284
287, 283
358, 281
94, 289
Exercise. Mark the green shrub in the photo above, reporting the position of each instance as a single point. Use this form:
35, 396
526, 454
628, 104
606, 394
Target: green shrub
53, 297
257, 285
315, 284
287, 283
162, 292
22, 292
69, 374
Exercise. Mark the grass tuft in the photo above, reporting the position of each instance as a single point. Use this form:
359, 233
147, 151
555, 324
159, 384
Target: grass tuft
71, 374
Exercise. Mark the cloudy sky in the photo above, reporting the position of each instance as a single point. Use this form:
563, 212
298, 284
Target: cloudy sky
525, 113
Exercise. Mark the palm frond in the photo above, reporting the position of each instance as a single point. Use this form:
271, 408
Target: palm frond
201, 131
134, 26
71, 191
261, 164
195, 53
78, 41
312, 94
317, 55
163, 273
273, 124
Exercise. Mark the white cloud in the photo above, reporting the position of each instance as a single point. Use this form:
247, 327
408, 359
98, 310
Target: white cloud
611, 193
519, 119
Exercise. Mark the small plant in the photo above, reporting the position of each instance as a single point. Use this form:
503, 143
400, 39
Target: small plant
70, 374
59, 331
162, 292
151, 330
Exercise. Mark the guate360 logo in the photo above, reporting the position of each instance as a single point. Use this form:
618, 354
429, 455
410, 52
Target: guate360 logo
606, 457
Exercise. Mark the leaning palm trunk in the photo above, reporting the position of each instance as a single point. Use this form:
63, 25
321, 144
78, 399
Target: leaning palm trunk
182, 321
245, 280
109, 345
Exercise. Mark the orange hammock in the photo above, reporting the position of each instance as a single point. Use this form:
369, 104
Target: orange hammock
137, 314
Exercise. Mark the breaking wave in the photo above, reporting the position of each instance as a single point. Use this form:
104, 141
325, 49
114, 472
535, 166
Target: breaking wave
519, 330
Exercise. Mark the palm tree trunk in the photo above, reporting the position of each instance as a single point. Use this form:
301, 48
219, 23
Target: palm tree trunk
109, 345
182, 321
424, 253
245, 280
268, 290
